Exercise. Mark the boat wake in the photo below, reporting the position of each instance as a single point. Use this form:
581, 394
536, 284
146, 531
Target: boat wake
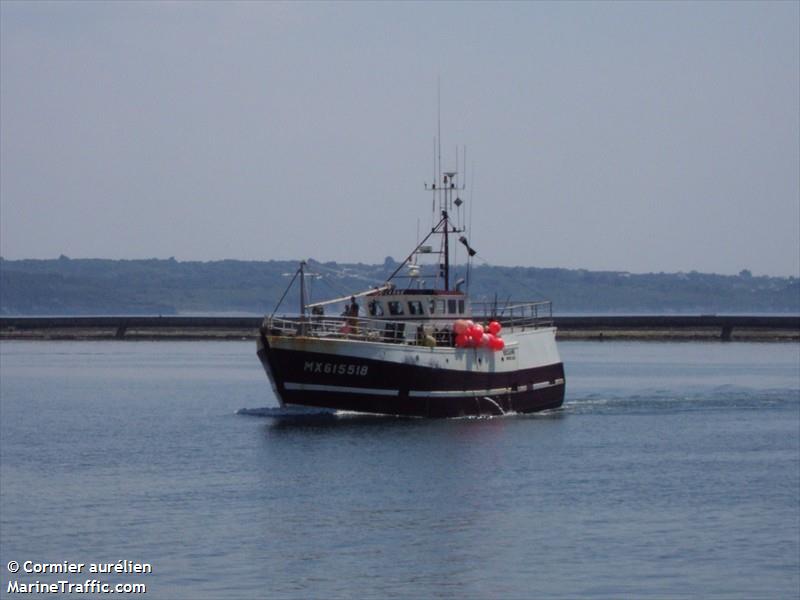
724, 397
309, 414
288, 412
303, 413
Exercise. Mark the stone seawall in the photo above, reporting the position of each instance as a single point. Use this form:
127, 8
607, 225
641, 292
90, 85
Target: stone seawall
703, 327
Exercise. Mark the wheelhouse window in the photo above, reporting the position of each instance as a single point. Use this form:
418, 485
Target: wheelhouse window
415, 307
451, 307
461, 307
395, 308
375, 309
437, 307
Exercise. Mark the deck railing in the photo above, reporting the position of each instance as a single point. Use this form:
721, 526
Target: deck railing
517, 315
351, 328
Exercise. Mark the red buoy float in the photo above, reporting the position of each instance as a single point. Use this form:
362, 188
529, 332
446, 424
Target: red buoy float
497, 343
476, 332
460, 326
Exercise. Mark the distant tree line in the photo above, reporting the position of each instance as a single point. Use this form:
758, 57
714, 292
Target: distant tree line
150, 287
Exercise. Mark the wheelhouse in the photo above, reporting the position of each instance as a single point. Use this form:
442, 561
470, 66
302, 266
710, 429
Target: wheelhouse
400, 305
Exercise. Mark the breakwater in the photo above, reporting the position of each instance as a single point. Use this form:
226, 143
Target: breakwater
655, 327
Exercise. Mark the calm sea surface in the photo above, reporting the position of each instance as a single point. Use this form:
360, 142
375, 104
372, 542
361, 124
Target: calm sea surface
673, 471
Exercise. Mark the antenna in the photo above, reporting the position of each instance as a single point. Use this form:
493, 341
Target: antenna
433, 196
471, 198
464, 176
439, 124
451, 195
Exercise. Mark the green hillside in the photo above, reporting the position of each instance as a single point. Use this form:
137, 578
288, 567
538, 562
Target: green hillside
97, 286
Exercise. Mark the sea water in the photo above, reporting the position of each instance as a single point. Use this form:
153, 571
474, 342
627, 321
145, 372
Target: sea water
672, 471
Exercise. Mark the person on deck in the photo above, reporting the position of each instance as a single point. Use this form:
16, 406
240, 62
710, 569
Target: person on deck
351, 312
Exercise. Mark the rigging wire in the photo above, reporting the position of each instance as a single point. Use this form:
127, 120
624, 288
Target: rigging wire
515, 281
286, 291
343, 273
469, 218
337, 291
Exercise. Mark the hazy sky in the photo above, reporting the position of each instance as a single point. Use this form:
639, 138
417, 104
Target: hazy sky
626, 136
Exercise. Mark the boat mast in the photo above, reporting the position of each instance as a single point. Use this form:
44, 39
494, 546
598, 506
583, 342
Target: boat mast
441, 208
443, 191
301, 271
445, 205
446, 251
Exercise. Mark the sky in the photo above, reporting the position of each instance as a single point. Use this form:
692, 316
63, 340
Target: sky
641, 137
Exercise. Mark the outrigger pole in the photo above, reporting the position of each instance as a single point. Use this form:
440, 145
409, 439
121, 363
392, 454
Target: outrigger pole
345, 298
302, 290
288, 287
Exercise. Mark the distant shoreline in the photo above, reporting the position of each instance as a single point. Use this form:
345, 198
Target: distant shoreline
594, 328
164, 287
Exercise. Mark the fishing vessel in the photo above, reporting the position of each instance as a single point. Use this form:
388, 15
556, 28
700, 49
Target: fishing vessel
416, 345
